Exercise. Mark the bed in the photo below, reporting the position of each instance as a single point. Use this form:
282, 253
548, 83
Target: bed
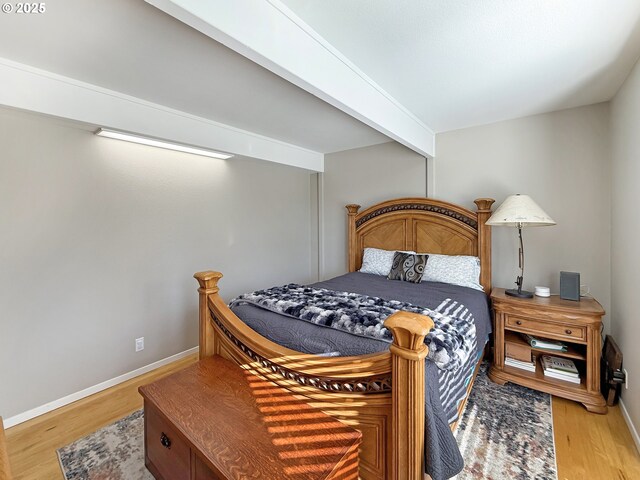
381, 393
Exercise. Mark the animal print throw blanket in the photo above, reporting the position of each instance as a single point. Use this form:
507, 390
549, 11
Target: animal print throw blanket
450, 342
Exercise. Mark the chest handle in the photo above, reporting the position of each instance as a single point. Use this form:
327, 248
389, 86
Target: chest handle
165, 441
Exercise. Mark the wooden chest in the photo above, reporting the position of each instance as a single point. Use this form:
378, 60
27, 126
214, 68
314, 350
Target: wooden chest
215, 421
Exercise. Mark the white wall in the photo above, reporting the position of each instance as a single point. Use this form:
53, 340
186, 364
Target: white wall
561, 160
99, 240
625, 232
364, 176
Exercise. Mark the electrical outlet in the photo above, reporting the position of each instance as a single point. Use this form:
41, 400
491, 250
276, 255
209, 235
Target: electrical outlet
139, 344
626, 378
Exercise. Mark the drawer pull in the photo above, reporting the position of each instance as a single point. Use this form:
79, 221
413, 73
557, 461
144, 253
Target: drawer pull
567, 331
518, 322
164, 440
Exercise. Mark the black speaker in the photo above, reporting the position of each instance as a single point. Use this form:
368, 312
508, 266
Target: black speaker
570, 286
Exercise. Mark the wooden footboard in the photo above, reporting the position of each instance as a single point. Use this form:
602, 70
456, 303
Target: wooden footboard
381, 394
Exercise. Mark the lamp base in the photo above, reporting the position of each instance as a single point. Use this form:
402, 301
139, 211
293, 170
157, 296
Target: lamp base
512, 292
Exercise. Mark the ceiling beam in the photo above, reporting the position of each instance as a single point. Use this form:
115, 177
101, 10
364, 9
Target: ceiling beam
271, 35
37, 90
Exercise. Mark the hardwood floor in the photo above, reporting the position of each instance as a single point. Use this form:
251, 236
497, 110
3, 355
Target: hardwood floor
588, 446
32, 445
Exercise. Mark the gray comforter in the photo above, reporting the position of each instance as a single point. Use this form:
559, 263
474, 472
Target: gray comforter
442, 457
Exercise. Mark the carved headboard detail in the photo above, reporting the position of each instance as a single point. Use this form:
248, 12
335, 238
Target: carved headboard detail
422, 225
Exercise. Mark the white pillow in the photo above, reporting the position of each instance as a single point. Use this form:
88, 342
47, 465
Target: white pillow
377, 261
463, 270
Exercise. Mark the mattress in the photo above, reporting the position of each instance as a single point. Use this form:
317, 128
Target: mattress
444, 389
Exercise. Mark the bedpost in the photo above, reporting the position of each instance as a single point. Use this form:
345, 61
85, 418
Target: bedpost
408, 353
208, 286
352, 210
484, 241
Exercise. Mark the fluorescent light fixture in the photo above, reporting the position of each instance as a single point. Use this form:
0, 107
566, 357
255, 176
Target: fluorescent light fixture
153, 142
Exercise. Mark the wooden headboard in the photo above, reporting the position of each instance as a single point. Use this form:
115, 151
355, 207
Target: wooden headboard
423, 225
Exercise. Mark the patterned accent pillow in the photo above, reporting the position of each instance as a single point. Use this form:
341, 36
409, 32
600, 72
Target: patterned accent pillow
377, 261
408, 267
463, 270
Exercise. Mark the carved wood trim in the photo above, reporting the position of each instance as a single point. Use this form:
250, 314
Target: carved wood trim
440, 210
366, 385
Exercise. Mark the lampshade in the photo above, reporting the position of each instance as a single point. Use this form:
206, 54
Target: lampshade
520, 210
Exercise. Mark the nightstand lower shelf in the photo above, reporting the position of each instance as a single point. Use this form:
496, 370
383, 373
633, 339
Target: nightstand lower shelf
578, 392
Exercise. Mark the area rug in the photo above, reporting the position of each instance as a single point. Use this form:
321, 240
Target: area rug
506, 432
115, 452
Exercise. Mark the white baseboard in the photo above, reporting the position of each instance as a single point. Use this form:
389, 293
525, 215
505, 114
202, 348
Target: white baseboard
74, 397
632, 427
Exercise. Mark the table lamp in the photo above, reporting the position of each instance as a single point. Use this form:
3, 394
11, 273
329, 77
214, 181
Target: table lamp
519, 211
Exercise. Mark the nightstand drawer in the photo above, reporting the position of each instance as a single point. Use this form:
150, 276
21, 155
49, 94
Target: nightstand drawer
536, 327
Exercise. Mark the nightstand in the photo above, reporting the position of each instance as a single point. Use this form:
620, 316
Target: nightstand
576, 324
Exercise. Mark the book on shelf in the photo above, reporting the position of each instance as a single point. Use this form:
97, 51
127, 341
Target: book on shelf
560, 368
545, 343
515, 363
561, 376
559, 365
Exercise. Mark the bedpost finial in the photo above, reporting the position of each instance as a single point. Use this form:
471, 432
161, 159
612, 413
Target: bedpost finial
208, 281
484, 204
352, 208
409, 330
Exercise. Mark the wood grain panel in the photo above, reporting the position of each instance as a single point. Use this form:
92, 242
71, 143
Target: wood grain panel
435, 236
388, 235
202, 472
373, 459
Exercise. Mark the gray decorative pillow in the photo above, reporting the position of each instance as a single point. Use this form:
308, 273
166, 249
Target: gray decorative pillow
408, 267
463, 270
377, 261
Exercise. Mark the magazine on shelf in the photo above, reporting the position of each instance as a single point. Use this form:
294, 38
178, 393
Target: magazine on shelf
528, 366
561, 376
559, 365
545, 344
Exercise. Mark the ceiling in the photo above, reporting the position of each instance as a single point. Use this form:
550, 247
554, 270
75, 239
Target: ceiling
467, 62
133, 48
450, 63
